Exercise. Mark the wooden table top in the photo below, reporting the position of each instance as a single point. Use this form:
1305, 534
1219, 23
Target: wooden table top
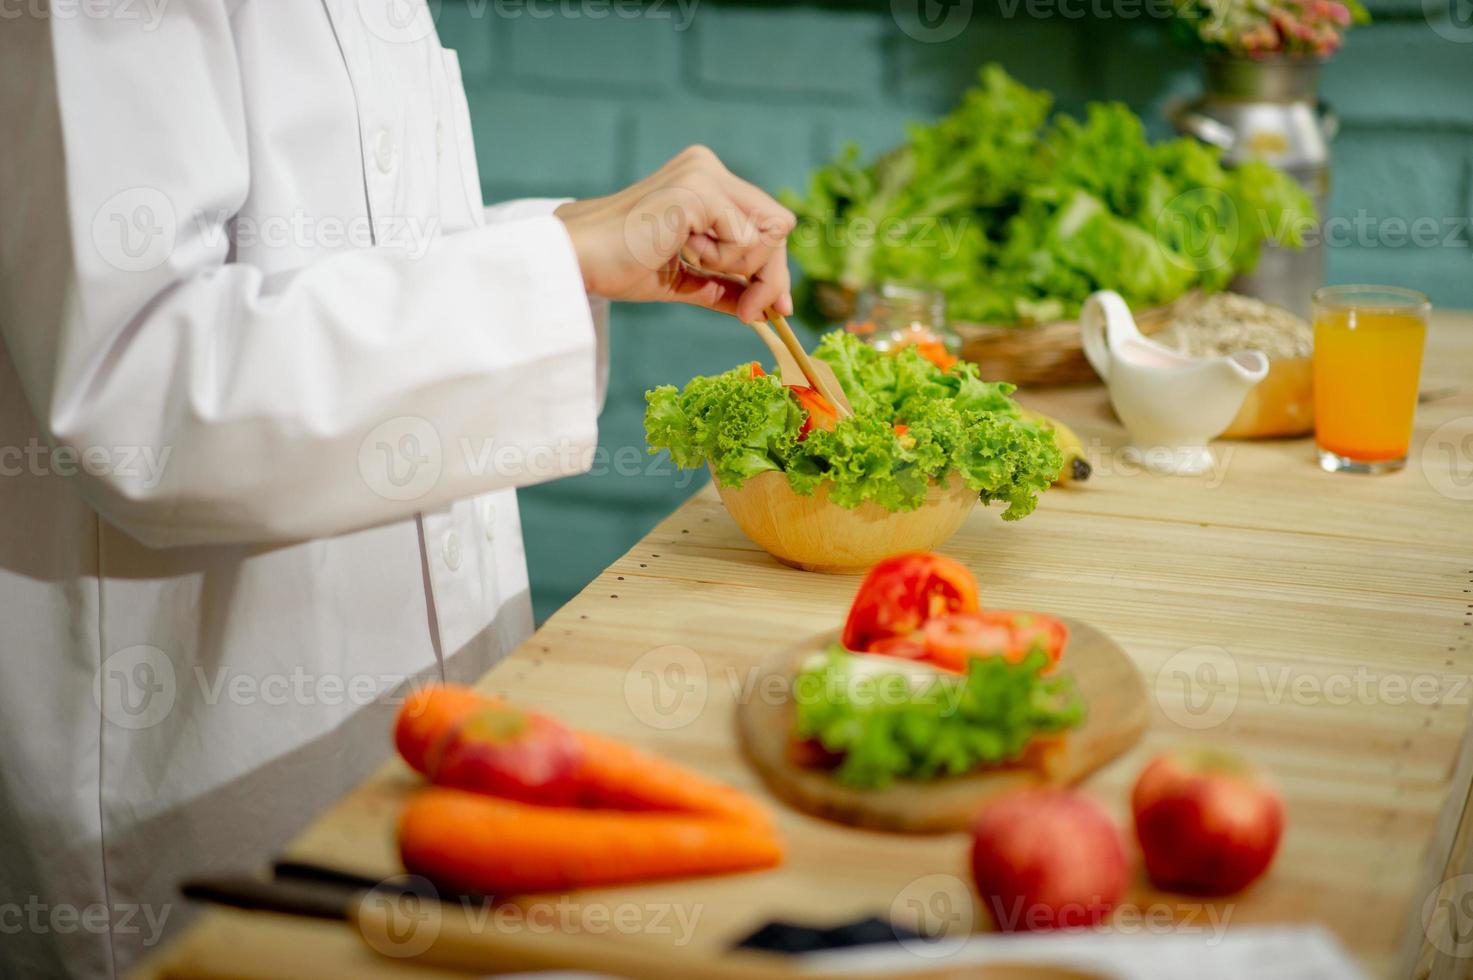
1320, 624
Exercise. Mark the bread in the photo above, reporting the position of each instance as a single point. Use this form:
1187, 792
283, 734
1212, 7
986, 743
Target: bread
1282, 404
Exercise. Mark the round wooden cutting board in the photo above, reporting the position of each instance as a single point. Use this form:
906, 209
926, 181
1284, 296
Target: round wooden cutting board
1115, 715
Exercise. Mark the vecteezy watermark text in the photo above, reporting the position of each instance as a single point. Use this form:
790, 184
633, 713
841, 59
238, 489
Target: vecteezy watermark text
412, 21
411, 234
138, 228
147, 13
1199, 687
138, 686
36, 917
945, 235
140, 466
404, 458
402, 917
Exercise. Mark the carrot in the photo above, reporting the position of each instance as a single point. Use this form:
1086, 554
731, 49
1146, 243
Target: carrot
469, 842
428, 716
611, 775
614, 776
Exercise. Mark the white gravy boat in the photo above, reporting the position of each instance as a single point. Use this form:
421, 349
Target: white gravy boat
1172, 404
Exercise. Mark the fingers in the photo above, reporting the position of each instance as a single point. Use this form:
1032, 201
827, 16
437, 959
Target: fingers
685, 286
747, 302
768, 286
773, 221
723, 237
741, 257
733, 245
691, 206
771, 286
741, 230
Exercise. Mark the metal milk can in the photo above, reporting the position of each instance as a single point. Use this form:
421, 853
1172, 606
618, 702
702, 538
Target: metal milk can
1268, 109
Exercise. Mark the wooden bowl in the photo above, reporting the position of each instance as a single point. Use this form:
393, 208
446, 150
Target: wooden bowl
818, 536
1280, 405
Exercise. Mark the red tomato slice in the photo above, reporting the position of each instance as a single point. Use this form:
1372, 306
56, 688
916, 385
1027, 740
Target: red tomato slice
936, 352
1033, 630
929, 346
952, 640
901, 593
757, 371
912, 647
821, 415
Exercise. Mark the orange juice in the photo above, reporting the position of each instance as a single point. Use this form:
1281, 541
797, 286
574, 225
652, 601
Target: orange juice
1367, 363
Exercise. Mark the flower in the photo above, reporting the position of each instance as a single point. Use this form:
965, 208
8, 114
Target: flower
1259, 28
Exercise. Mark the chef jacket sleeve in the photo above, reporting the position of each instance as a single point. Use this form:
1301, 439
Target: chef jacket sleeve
362, 388
529, 207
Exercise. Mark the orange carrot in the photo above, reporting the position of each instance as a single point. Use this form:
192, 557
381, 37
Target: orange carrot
612, 775
428, 716
615, 776
470, 842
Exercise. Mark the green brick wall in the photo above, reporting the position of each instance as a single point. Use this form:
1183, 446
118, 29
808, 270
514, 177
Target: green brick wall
578, 97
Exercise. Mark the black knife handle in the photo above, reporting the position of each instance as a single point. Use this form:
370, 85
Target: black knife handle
244, 891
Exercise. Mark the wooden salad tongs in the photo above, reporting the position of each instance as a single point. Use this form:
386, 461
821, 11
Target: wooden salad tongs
792, 360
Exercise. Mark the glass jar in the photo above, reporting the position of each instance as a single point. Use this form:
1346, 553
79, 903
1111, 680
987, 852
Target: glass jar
892, 316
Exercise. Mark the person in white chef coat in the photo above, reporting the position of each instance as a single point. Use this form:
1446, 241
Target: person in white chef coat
270, 374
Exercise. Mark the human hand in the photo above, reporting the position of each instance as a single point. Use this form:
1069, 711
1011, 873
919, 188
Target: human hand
630, 244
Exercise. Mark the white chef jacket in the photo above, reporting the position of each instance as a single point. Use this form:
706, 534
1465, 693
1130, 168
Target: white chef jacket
268, 377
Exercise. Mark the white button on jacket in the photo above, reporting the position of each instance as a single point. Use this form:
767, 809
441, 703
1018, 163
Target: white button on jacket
268, 373
384, 151
452, 551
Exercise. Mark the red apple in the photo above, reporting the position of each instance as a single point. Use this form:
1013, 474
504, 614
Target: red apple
1208, 823
1047, 859
515, 754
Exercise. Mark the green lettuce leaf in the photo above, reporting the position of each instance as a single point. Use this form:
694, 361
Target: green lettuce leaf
1107, 248
957, 425
1017, 217
888, 726
738, 424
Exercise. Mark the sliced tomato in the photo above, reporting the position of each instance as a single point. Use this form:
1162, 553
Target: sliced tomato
910, 647
901, 428
757, 371
952, 640
928, 345
1035, 631
936, 352
821, 415
901, 593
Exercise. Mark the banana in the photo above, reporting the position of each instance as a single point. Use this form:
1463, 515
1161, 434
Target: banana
1076, 468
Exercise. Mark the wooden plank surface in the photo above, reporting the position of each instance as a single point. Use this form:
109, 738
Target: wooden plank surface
1319, 624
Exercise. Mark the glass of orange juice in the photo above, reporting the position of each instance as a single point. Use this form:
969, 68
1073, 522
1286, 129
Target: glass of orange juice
1368, 344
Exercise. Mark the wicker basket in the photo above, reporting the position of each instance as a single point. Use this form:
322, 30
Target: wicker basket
1033, 356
